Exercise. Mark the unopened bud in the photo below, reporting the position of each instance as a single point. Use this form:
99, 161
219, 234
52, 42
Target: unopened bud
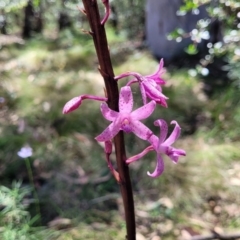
72, 105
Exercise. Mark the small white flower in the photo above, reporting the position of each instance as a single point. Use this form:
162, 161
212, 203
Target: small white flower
192, 72
237, 51
25, 152
204, 71
195, 11
205, 35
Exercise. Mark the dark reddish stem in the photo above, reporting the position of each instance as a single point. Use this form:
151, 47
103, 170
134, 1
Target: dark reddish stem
100, 41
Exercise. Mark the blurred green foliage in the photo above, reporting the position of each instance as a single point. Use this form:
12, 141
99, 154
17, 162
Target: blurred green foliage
13, 5
221, 32
69, 169
50, 12
70, 172
15, 219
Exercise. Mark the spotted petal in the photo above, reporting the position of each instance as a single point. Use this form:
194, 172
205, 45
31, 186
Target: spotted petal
163, 130
143, 112
108, 113
125, 100
143, 92
159, 167
110, 132
152, 91
140, 130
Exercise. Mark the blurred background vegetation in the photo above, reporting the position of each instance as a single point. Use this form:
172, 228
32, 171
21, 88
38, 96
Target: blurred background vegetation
46, 59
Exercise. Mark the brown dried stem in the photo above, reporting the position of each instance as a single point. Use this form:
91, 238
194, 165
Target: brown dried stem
100, 41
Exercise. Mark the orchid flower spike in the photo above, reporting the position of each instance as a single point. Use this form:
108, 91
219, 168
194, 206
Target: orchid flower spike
107, 11
75, 102
125, 119
162, 146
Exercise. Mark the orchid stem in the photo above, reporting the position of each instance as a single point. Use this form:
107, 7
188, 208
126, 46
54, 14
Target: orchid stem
101, 46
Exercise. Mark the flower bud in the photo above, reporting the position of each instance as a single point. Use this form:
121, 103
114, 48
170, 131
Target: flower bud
72, 105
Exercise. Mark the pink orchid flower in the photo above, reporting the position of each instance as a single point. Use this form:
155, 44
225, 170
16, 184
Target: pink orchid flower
149, 85
162, 146
125, 119
75, 102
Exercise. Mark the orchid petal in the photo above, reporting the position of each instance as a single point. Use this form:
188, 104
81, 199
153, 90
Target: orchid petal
160, 81
163, 130
152, 92
108, 113
162, 102
174, 158
140, 130
143, 112
159, 167
161, 64
153, 140
110, 132
159, 88
180, 152
174, 135
161, 70
176, 153
152, 82
155, 93
125, 100
72, 105
156, 76
143, 92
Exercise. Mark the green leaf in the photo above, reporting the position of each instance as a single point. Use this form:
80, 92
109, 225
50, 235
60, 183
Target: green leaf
191, 49
36, 3
176, 33
189, 5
